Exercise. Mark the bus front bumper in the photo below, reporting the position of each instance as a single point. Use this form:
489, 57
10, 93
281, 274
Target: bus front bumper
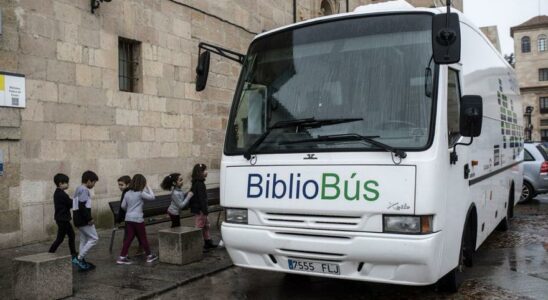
375, 257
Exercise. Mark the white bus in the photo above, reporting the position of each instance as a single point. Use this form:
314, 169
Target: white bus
379, 145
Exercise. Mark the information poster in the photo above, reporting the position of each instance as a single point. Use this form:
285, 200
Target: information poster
12, 90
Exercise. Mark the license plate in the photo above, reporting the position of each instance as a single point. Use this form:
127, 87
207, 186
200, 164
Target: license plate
313, 266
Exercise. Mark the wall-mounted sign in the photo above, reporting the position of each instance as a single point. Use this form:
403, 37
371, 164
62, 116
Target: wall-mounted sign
12, 90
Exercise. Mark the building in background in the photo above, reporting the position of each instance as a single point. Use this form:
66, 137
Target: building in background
531, 63
113, 92
491, 32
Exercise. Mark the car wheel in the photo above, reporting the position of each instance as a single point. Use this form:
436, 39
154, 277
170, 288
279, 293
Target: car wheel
527, 192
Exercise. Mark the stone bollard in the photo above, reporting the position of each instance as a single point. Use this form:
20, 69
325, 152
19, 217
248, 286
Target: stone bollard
42, 276
180, 245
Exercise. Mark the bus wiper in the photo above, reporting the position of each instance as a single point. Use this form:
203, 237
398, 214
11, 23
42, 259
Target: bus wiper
299, 123
351, 137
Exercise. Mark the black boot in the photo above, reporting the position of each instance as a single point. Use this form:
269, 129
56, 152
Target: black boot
208, 244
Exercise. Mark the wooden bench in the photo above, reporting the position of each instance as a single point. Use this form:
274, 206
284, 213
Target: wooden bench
155, 212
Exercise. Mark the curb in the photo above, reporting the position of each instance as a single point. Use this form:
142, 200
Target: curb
181, 283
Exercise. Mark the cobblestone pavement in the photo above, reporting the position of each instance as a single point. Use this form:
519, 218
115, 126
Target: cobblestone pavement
112, 281
509, 265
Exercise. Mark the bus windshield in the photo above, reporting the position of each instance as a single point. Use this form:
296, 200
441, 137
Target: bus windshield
374, 69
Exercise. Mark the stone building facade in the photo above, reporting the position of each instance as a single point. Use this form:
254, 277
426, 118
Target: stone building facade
85, 112
531, 57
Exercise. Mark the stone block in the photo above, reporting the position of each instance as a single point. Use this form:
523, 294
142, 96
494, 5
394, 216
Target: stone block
180, 245
10, 133
38, 46
32, 220
10, 117
41, 90
68, 132
59, 71
32, 66
42, 276
69, 52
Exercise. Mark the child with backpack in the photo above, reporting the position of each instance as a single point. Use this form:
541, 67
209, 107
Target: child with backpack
81, 210
179, 199
135, 223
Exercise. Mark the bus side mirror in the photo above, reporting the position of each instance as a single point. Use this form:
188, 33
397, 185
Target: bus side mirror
446, 38
202, 71
471, 115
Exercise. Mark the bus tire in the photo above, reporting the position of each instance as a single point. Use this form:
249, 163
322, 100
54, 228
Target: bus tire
504, 224
451, 282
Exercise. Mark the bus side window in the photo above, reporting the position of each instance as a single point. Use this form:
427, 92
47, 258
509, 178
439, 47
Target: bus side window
453, 107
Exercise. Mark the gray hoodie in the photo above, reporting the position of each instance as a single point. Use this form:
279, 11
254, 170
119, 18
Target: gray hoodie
133, 204
179, 200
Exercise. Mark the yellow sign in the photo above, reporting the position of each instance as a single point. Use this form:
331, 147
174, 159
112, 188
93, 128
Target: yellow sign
1, 82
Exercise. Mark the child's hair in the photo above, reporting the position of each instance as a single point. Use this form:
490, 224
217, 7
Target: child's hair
169, 181
60, 178
138, 183
198, 172
89, 176
125, 179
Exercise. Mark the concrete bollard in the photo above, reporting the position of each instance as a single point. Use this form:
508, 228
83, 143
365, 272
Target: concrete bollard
42, 276
180, 245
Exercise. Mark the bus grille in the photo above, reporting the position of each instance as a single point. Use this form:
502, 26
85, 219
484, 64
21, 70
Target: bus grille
312, 221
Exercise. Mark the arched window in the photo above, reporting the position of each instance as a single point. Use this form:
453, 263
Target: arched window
326, 8
525, 44
541, 43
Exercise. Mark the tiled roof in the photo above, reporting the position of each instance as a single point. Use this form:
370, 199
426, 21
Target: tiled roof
533, 23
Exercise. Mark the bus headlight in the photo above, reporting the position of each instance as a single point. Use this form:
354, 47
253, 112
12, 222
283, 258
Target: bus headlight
407, 224
236, 215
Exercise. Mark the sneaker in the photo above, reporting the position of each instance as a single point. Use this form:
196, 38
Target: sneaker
82, 266
151, 257
74, 261
88, 263
123, 261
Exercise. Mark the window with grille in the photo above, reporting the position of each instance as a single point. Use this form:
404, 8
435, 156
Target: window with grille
129, 67
543, 104
541, 43
525, 44
543, 74
544, 134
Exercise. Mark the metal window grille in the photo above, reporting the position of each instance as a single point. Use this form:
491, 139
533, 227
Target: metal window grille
543, 74
128, 62
525, 44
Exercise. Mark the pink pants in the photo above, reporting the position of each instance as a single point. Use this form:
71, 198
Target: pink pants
135, 230
201, 221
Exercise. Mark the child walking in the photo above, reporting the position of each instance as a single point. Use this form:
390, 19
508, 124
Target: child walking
81, 206
198, 203
135, 224
63, 205
174, 183
123, 185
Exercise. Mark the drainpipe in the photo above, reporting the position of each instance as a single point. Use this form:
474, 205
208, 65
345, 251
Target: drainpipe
347, 8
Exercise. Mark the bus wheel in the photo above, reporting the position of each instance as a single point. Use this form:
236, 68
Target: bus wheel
504, 224
451, 282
